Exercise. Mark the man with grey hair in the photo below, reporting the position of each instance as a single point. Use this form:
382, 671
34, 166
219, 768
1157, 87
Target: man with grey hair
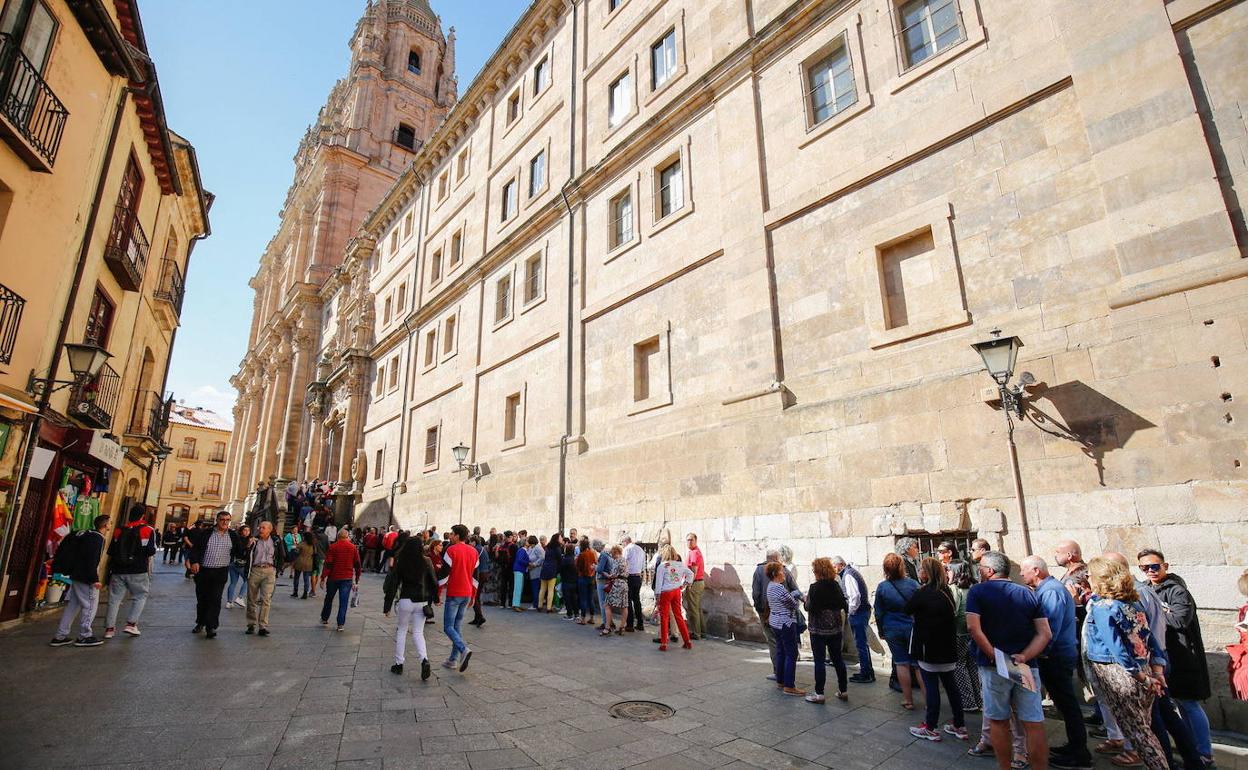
908, 550
1006, 617
758, 592
635, 557
854, 586
265, 555
1058, 661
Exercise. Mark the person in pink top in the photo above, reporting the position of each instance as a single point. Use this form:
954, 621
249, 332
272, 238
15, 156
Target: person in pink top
693, 594
459, 578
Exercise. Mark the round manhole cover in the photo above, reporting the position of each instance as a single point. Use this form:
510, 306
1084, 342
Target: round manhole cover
641, 710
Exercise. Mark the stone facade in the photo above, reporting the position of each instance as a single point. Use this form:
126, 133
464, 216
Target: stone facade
290, 410
664, 285
191, 481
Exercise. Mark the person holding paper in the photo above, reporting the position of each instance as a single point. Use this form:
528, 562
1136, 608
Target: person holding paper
1008, 629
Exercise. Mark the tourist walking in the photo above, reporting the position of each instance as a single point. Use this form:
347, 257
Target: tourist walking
635, 559
1185, 647
858, 606
79, 557
895, 623
129, 563
933, 645
615, 592
1005, 616
412, 580
782, 618
758, 593
320, 546
266, 555
170, 543
1118, 648
670, 579
238, 570
303, 563
696, 562
826, 608
520, 574
340, 574
1058, 662
460, 582
209, 562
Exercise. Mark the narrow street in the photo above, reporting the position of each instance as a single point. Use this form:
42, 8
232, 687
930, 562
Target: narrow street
537, 693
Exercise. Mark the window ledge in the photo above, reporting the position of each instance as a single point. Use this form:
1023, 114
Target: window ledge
530, 304
619, 251
655, 93
650, 404
671, 219
515, 443
817, 131
975, 37
613, 130
919, 327
501, 323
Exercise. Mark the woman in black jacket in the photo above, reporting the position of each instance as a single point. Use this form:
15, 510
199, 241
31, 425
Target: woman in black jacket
413, 580
934, 644
825, 602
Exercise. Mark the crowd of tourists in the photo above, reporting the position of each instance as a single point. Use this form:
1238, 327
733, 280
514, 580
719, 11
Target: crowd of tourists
951, 622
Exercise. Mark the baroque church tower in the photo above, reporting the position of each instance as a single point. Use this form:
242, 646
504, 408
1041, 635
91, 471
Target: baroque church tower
399, 87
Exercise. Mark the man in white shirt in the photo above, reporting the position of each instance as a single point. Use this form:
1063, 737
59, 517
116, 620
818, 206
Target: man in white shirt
636, 559
855, 589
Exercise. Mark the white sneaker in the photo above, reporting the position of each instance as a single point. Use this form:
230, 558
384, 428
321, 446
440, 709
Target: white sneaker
132, 629
229, 605
814, 698
242, 604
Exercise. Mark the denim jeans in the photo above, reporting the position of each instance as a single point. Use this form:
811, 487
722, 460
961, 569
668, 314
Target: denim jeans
585, 592
1196, 717
828, 648
236, 579
307, 582
601, 585
452, 618
786, 654
858, 622
536, 585
341, 588
932, 681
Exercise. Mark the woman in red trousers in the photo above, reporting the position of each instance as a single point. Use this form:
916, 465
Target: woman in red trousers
671, 576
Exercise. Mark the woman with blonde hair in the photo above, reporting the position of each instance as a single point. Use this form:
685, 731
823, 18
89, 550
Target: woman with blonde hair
825, 601
670, 579
1118, 648
615, 592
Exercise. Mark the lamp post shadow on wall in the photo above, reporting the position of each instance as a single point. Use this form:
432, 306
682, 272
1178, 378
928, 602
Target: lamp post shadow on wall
1000, 354
475, 472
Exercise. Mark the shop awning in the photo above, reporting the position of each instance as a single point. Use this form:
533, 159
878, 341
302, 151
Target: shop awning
17, 401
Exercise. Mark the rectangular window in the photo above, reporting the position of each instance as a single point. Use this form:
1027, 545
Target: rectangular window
928, 27
448, 336
394, 373
99, 320
909, 271
443, 184
663, 59
541, 75
619, 100
413, 62
613, 4
385, 314
378, 456
218, 453
183, 483
37, 38
457, 248
509, 199
380, 384
187, 452
830, 82
394, 242
214, 484
513, 108
511, 417
401, 304
645, 366
622, 219
671, 189
407, 226
502, 299
537, 173
435, 267
431, 446
461, 164
533, 278
431, 346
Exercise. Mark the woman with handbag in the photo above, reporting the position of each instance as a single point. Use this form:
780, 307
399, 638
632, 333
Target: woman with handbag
933, 645
825, 601
413, 581
895, 623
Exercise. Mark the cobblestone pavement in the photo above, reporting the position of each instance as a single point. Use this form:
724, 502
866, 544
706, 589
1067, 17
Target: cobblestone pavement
536, 693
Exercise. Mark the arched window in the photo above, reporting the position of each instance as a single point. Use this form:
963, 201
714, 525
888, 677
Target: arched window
413, 62
405, 136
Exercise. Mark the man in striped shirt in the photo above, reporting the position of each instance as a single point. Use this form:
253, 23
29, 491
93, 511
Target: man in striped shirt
209, 562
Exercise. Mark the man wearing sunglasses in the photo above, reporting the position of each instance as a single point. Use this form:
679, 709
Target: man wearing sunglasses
1189, 670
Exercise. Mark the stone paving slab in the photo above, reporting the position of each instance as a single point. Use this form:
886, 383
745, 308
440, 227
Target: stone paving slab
536, 695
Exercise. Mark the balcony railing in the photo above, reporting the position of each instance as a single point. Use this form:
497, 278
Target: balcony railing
11, 306
150, 416
32, 113
216, 457
172, 287
127, 248
95, 402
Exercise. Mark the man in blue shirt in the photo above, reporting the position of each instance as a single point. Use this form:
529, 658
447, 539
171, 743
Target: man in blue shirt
1005, 616
1058, 661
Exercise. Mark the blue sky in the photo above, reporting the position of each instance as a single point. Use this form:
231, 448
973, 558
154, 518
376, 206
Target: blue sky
242, 81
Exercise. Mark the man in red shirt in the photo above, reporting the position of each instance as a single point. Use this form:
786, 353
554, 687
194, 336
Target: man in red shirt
693, 594
387, 545
459, 578
342, 571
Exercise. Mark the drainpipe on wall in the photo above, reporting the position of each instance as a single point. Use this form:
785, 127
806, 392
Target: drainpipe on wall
571, 309
407, 389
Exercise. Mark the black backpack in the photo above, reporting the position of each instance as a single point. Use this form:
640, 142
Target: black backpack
67, 553
127, 548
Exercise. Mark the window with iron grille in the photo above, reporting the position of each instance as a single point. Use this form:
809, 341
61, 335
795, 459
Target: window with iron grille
99, 320
622, 219
533, 278
502, 299
11, 306
928, 541
927, 28
830, 84
671, 189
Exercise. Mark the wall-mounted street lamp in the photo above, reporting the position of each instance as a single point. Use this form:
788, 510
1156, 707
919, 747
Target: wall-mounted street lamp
85, 361
1000, 355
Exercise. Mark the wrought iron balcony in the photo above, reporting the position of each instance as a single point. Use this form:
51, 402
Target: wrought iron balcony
188, 454
95, 402
150, 416
127, 249
171, 288
33, 118
217, 457
11, 306
211, 492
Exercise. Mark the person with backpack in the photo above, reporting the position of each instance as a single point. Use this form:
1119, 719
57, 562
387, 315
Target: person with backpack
129, 559
79, 557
